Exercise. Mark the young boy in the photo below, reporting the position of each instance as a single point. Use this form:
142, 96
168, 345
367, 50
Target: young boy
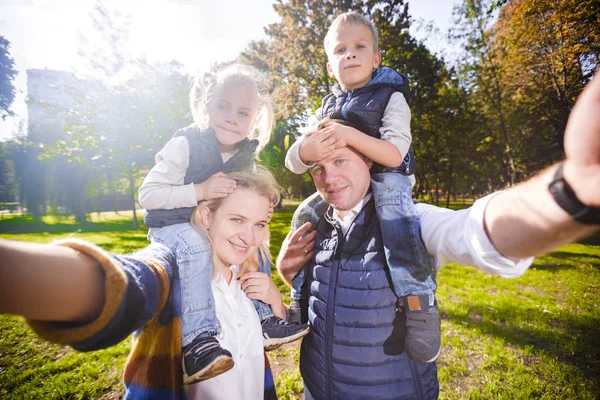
372, 101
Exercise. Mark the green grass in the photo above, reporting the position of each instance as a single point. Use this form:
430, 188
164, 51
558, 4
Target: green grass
531, 337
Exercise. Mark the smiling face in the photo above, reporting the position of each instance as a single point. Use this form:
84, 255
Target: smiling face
352, 56
238, 226
232, 113
342, 179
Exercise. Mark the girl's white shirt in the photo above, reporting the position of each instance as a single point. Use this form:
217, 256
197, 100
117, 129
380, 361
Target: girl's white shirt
241, 334
163, 187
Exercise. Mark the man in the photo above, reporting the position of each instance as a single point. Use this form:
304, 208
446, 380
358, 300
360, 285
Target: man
355, 347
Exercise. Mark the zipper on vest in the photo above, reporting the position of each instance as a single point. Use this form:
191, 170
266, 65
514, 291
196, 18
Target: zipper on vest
333, 278
416, 378
344, 110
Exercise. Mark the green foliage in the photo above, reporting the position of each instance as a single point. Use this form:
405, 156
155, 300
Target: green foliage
102, 130
8, 187
7, 76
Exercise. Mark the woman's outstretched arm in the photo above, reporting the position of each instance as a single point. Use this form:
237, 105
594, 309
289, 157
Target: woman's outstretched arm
49, 283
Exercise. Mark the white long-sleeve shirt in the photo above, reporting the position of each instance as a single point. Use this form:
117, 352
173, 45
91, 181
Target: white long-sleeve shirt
241, 334
456, 237
163, 187
395, 128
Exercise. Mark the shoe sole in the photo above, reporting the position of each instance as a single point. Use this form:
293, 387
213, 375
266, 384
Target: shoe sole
217, 367
430, 360
274, 343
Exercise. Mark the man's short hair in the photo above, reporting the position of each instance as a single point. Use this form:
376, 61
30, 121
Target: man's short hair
349, 18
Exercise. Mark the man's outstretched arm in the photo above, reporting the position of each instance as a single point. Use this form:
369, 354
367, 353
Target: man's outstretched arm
526, 220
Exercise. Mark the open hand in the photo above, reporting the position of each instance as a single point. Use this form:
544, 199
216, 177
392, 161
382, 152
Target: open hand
217, 186
317, 146
582, 145
341, 133
296, 250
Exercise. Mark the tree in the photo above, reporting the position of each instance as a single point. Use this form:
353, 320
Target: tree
7, 75
553, 50
8, 188
117, 118
484, 73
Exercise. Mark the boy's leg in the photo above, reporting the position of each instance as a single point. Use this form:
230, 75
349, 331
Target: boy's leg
408, 262
276, 331
203, 356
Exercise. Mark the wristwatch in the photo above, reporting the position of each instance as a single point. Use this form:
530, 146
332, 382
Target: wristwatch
567, 200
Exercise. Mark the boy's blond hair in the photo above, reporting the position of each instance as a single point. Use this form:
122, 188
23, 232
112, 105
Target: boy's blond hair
260, 181
349, 18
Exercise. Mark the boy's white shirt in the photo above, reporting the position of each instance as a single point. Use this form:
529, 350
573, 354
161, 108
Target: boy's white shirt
163, 187
395, 128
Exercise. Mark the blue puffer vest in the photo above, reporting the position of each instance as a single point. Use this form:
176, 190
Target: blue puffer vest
364, 107
355, 349
205, 161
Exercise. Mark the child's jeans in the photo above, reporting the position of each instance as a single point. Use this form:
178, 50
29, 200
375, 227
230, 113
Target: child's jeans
194, 260
410, 267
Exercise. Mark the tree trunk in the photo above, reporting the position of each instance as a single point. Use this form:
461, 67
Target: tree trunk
131, 193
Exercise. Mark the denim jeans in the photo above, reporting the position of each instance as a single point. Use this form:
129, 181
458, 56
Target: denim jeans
194, 260
408, 262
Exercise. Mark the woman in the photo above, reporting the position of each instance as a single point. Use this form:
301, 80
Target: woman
73, 292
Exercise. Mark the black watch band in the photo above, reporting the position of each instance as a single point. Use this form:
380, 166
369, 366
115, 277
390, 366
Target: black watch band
567, 200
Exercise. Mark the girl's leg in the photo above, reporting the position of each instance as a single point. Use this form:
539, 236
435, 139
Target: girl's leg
203, 357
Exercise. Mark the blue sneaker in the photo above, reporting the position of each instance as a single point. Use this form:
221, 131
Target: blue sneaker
203, 359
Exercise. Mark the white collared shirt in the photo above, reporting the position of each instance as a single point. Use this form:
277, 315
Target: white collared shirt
241, 334
350, 215
455, 237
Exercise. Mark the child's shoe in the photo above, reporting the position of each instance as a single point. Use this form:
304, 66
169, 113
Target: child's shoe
422, 329
298, 311
277, 332
203, 359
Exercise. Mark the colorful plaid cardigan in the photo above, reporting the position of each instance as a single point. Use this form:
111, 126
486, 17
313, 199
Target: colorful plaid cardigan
142, 296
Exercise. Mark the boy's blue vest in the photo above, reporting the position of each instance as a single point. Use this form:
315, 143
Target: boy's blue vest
355, 349
205, 161
364, 107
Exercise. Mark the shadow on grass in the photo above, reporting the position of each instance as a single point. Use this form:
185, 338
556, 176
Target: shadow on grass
567, 260
569, 338
27, 224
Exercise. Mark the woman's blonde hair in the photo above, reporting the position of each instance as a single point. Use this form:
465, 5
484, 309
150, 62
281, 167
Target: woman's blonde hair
260, 181
205, 86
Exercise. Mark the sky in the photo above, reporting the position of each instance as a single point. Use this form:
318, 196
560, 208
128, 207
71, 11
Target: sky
43, 33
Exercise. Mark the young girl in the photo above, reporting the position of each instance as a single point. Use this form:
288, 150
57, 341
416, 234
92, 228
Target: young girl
233, 122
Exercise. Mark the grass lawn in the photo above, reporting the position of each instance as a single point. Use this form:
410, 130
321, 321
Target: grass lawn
535, 337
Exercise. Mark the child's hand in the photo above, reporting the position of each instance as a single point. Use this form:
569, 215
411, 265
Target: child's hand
317, 146
342, 134
218, 185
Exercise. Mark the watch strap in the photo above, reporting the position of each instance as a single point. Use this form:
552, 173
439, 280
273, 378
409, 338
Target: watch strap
565, 197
